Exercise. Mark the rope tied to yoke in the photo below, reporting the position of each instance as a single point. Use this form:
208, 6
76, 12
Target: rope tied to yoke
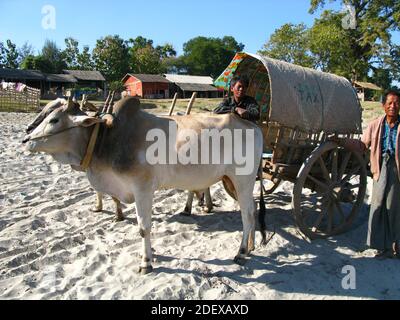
106, 113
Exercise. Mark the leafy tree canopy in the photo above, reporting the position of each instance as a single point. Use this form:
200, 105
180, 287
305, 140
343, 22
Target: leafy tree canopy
209, 56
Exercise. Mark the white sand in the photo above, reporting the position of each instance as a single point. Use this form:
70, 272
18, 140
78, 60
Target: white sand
53, 247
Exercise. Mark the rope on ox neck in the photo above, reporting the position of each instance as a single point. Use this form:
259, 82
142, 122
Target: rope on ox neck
85, 163
107, 109
53, 134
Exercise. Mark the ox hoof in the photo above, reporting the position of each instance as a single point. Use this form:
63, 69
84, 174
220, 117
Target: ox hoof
207, 210
119, 219
96, 209
241, 261
185, 213
145, 270
264, 240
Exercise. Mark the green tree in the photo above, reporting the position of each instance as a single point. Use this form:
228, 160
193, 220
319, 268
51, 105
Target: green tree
2, 55
382, 78
11, 55
375, 20
52, 56
111, 57
84, 59
144, 58
28, 63
209, 56
290, 43
175, 65
75, 59
71, 53
140, 42
166, 51
37, 63
25, 51
331, 47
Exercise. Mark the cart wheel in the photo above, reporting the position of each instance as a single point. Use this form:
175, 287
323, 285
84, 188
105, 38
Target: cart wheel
329, 191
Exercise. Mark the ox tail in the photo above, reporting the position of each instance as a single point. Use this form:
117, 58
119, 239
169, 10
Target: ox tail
262, 212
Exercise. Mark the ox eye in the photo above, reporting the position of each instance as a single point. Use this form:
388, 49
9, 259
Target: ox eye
54, 120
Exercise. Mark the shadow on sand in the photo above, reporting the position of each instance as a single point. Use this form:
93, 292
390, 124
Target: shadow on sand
301, 266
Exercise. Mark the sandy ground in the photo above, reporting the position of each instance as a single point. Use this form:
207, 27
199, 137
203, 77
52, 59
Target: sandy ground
53, 247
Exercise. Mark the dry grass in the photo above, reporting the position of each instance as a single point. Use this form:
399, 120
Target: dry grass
371, 110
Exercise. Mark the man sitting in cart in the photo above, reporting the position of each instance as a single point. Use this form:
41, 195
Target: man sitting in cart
240, 103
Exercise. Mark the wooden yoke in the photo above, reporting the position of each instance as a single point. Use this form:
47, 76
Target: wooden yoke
191, 102
108, 117
105, 107
171, 109
86, 105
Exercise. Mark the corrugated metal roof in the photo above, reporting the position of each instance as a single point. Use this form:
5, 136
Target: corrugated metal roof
18, 74
85, 75
196, 87
147, 77
367, 85
177, 78
65, 78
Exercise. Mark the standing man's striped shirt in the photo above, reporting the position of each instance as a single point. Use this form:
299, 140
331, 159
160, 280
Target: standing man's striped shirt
389, 138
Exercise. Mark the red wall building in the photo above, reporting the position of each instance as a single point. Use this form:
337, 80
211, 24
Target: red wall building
148, 86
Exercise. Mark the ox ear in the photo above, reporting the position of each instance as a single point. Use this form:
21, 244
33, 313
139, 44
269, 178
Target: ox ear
86, 121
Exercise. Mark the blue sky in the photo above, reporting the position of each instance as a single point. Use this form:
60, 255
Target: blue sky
175, 21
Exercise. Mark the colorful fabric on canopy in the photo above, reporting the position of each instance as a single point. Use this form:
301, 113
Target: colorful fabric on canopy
225, 78
258, 77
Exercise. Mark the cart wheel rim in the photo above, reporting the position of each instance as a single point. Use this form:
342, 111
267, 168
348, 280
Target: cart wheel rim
340, 187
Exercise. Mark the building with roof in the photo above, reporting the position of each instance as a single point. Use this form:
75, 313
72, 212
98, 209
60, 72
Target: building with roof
364, 89
32, 78
185, 85
148, 86
56, 83
88, 78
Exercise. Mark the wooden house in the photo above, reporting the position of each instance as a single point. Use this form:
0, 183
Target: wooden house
148, 86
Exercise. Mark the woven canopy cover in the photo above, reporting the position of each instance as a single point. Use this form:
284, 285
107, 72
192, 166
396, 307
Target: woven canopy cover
297, 97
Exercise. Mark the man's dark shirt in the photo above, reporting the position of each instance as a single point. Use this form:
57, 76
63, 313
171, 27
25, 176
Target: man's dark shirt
248, 103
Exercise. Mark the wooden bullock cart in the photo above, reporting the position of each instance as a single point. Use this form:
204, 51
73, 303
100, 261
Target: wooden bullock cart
300, 107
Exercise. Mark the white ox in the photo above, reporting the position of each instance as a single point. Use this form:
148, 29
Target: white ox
204, 197
125, 172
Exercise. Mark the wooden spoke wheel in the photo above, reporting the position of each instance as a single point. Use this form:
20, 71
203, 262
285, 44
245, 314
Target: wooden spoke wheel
329, 191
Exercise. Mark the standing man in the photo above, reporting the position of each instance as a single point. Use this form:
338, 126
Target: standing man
241, 104
382, 137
